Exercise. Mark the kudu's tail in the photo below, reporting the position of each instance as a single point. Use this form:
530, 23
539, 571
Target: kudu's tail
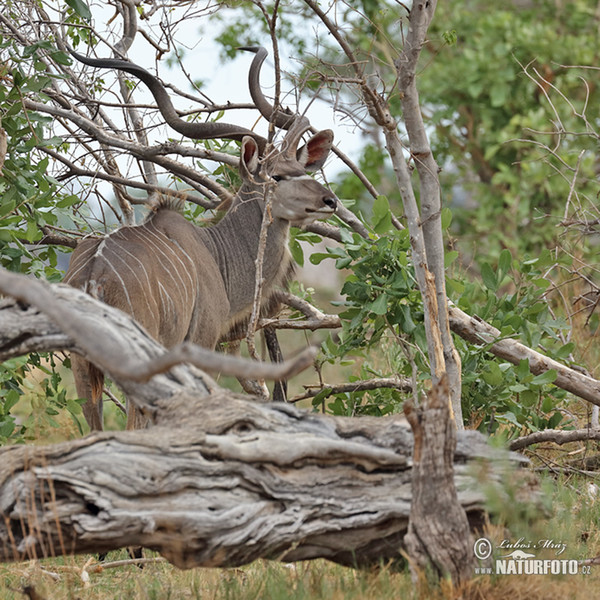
89, 381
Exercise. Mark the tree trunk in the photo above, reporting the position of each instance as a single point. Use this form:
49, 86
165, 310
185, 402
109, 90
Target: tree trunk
438, 526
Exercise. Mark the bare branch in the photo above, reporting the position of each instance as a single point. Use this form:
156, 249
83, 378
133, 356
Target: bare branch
556, 436
477, 331
76, 171
396, 383
145, 153
315, 319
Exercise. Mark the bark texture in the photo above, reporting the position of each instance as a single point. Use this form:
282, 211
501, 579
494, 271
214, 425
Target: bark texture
225, 481
438, 534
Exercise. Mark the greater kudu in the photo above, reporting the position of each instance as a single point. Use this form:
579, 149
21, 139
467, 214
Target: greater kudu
183, 282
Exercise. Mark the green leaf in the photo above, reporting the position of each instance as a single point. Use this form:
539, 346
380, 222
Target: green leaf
508, 417
450, 257
382, 217
297, 252
11, 398
6, 207
546, 377
498, 93
523, 369
408, 325
379, 305
342, 263
504, 262
7, 427
81, 8
529, 398
541, 283
318, 257
62, 58
554, 420
446, 217
324, 393
565, 351
548, 403
489, 277
493, 375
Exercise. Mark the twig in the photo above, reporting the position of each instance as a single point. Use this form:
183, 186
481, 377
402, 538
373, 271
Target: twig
397, 383
99, 567
555, 435
326, 322
115, 400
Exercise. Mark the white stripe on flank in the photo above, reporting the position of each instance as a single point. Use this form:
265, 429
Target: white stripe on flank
158, 238
124, 288
92, 251
133, 271
166, 301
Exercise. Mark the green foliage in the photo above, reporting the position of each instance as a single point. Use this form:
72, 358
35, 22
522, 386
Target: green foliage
30, 196
494, 391
11, 389
31, 200
32, 397
492, 120
382, 321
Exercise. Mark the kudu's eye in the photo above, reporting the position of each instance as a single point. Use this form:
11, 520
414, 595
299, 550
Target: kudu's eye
277, 178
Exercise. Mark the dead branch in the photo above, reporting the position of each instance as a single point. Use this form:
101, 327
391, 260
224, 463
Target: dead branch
397, 383
555, 436
477, 331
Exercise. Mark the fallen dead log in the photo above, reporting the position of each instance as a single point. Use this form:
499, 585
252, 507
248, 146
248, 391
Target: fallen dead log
229, 481
219, 480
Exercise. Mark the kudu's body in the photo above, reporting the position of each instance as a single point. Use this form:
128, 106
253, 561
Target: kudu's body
183, 282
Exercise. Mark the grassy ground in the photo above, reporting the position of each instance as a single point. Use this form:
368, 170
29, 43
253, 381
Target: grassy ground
567, 513
62, 579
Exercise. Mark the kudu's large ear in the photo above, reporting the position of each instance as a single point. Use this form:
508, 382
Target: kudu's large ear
313, 154
249, 157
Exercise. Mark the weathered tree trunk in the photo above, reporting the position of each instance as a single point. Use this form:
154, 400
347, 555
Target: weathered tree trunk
219, 480
438, 525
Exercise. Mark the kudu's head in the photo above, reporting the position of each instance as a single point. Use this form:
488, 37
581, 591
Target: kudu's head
297, 197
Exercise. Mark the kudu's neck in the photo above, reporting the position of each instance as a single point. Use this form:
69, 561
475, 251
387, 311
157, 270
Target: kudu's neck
233, 243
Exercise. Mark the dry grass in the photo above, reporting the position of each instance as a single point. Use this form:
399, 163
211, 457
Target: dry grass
62, 579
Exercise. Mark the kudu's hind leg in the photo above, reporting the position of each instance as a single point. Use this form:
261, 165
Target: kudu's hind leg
275, 354
89, 382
